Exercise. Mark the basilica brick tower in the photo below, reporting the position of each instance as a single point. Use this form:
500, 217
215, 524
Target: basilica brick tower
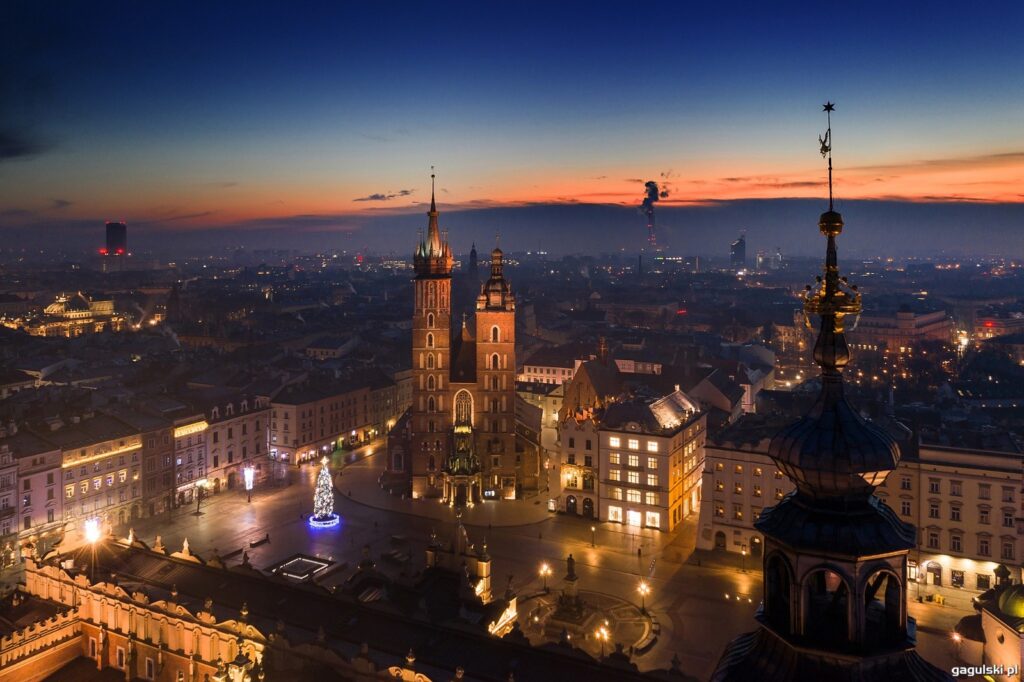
430, 424
460, 433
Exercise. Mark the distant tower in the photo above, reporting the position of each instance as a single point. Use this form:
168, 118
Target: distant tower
431, 356
738, 253
835, 556
474, 265
117, 240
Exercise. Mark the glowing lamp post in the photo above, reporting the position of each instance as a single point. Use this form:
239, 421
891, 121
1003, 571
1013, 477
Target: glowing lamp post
249, 474
644, 589
743, 552
200, 489
593, 536
545, 571
602, 636
92, 536
92, 530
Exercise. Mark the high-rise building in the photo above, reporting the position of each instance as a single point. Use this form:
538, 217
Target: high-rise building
738, 253
117, 240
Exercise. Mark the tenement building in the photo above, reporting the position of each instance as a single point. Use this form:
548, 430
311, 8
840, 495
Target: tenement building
652, 456
963, 500
459, 440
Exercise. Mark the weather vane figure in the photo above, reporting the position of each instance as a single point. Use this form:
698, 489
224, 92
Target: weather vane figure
826, 147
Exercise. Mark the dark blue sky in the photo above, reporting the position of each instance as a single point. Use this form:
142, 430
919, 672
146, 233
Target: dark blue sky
192, 117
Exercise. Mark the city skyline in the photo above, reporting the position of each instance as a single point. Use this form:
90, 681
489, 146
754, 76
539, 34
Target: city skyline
326, 122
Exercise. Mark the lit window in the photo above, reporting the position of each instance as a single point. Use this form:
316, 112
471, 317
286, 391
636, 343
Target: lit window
651, 498
614, 442
652, 446
757, 491
615, 475
737, 488
634, 444
613, 458
634, 460
633, 476
652, 479
69, 491
615, 514
633, 496
653, 520
616, 493
739, 468
652, 462
85, 487
96, 482
122, 475
719, 510
719, 466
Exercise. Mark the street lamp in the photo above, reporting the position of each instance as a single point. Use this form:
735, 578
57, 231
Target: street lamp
249, 474
200, 488
593, 531
92, 536
602, 636
545, 571
743, 551
644, 589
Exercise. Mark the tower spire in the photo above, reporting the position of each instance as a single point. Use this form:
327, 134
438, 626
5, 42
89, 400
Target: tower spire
433, 232
826, 146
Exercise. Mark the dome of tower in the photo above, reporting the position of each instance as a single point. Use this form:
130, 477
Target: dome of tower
1011, 601
833, 451
497, 253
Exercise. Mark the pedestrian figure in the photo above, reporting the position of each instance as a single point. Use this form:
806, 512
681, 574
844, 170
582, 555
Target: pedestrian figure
638, 553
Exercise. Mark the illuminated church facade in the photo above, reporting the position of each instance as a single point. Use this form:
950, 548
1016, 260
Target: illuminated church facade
459, 440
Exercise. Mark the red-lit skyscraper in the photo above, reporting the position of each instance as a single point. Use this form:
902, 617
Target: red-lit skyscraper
117, 240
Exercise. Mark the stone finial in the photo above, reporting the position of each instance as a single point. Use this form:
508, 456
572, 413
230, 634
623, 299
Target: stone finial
459, 673
174, 592
208, 604
158, 546
131, 537
245, 610
410, 659
184, 547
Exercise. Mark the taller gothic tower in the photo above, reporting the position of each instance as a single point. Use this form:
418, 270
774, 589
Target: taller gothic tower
430, 425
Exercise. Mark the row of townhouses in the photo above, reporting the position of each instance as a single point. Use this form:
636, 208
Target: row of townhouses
965, 502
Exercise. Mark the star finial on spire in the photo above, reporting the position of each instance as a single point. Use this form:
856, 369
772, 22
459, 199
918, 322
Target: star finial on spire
433, 206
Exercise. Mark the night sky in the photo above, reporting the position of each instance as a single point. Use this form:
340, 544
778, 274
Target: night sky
256, 121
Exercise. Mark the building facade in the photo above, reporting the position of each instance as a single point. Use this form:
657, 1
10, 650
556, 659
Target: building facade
190, 462
966, 507
901, 330
652, 455
101, 465
236, 439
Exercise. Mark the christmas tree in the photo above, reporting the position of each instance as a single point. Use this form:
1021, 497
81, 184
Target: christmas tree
323, 499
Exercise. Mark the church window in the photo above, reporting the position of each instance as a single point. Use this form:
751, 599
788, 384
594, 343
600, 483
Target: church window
494, 383
495, 334
430, 340
430, 361
430, 404
494, 361
430, 321
430, 382
463, 408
